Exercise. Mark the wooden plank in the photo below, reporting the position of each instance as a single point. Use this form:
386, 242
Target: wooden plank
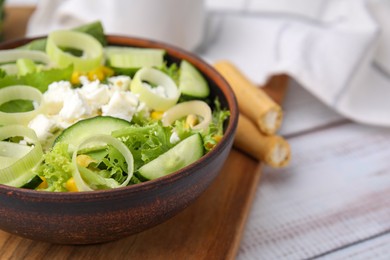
335, 193
375, 248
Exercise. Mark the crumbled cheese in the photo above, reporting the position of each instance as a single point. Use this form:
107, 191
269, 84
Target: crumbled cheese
174, 138
122, 105
42, 126
68, 105
74, 108
143, 109
55, 95
120, 82
95, 94
84, 80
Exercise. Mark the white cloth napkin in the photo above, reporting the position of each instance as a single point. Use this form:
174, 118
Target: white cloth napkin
339, 50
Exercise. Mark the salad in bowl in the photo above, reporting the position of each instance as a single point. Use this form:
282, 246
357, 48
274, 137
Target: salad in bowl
139, 128
77, 114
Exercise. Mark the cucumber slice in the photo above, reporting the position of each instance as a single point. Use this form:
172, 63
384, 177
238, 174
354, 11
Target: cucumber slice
186, 152
128, 57
76, 133
191, 81
33, 183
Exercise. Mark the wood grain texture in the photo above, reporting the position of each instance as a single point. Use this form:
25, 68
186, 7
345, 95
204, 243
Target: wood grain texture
211, 228
334, 195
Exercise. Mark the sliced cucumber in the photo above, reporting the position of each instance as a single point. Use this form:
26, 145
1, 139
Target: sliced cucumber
129, 57
186, 152
191, 81
76, 133
33, 183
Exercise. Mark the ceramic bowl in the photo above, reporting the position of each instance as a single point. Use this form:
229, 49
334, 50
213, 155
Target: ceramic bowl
102, 216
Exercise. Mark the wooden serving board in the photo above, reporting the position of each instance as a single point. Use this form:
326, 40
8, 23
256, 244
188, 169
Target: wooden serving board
211, 228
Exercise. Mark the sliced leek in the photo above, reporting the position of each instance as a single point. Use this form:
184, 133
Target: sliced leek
92, 50
11, 152
194, 107
19, 92
10, 68
157, 101
18, 172
81, 181
11, 56
25, 66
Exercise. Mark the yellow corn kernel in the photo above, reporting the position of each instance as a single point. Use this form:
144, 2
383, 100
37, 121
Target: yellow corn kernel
75, 79
96, 74
43, 184
84, 160
107, 71
156, 115
217, 138
70, 185
209, 146
191, 121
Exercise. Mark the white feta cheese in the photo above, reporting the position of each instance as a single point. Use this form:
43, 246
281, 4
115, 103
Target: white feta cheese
143, 109
120, 82
55, 95
42, 126
174, 138
95, 94
84, 80
123, 104
74, 108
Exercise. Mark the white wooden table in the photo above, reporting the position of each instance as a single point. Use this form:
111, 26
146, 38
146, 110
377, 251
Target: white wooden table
333, 201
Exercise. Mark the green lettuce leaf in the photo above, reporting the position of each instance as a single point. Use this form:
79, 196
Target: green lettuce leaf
40, 80
216, 127
145, 142
56, 168
17, 106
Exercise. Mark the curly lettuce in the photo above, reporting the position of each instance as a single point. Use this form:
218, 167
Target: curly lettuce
213, 134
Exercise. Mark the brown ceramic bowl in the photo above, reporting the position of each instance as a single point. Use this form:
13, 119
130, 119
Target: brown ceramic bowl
101, 216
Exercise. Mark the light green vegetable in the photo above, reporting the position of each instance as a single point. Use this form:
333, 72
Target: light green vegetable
92, 180
145, 142
129, 57
18, 172
19, 92
148, 78
92, 50
56, 168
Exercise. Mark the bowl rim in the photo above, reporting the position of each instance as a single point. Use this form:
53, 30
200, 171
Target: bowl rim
176, 52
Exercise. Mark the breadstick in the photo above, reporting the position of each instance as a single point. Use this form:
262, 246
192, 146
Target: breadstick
253, 102
273, 150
